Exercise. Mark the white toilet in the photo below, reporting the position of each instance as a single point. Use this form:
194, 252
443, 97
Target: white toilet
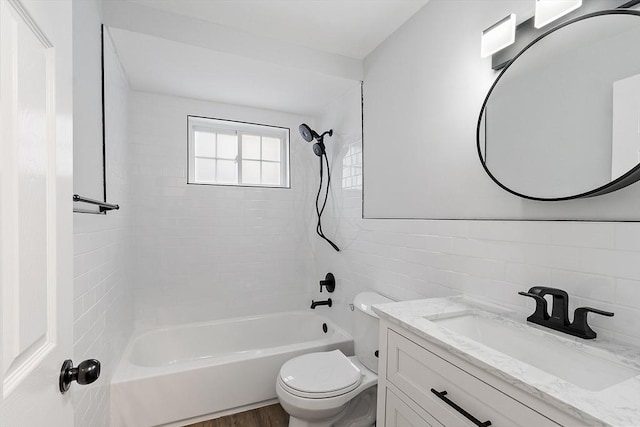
330, 389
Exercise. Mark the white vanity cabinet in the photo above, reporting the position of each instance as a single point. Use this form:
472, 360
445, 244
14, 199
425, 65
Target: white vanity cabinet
420, 384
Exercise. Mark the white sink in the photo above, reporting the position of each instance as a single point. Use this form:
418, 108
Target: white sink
592, 370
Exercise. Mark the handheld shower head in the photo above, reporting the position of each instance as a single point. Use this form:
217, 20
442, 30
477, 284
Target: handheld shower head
318, 148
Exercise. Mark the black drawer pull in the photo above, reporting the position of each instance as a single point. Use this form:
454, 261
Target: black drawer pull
441, 395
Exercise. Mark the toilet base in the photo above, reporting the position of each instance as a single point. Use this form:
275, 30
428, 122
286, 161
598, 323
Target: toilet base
359, 412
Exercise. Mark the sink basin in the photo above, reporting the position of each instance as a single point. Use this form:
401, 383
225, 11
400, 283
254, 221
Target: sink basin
592, 370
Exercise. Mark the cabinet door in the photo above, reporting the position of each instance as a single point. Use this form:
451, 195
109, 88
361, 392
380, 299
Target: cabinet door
399, 414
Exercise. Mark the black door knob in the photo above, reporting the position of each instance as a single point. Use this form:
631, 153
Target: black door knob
86, 373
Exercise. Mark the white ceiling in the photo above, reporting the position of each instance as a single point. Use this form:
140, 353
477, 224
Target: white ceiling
289, 55
157, 65
352, 28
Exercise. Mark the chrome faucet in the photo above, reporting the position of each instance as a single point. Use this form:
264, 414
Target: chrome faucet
559, 318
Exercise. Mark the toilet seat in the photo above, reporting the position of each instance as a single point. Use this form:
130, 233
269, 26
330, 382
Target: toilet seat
320, 375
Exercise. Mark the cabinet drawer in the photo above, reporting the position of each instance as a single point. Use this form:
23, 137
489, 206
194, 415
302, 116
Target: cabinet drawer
399, 414
416, 371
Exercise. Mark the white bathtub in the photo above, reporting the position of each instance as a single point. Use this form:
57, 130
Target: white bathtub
187, 373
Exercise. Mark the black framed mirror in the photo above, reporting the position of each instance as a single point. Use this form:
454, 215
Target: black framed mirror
562, 120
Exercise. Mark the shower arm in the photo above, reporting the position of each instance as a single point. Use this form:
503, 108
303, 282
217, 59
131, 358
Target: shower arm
327, 132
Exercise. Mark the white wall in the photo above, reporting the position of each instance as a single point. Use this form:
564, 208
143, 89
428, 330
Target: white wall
87, 130
102, 288
423, 89
598, 264
205, 252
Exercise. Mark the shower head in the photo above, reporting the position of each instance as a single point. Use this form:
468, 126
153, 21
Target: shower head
318, 148
309, 135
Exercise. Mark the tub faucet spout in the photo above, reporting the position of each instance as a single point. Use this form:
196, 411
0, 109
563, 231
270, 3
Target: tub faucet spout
314, 304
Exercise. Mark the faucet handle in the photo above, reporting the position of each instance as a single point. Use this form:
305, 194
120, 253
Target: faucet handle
329, 282
545, 290
593, 310
580, 321
541, 312
536, 297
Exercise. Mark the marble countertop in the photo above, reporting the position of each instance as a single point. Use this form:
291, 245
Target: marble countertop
618, 405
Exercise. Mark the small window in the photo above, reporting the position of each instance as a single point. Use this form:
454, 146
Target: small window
224, 152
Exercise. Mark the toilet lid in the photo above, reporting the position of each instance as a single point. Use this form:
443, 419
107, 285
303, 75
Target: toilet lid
328, 373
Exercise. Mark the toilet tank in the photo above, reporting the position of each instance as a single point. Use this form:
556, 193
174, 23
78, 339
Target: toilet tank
365, 328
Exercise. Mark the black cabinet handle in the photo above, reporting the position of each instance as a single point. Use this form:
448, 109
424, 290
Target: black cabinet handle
442, 394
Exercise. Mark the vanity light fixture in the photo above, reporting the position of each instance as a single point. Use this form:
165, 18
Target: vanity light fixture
498, 36
528, 30
548, 11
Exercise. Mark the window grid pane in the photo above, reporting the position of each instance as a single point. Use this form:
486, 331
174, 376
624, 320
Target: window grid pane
226, 171
271, 149
251, 147
205, 144
270, 173
251, 172
227, 146
205, 170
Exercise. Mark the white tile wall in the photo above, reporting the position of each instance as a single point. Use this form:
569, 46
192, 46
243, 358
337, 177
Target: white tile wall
103, 303
205, 252
597, 263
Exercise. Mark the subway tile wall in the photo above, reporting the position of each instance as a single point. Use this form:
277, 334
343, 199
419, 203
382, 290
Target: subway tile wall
204, 252
103, 303
598, 263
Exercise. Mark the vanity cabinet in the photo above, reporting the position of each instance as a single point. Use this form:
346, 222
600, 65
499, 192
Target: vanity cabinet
420, 384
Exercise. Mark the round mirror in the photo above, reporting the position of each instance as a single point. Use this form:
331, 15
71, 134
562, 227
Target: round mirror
562, 120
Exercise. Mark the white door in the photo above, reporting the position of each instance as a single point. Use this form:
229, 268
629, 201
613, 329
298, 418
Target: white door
35, 210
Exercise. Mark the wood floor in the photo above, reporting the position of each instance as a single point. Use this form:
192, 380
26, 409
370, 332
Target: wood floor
268, 416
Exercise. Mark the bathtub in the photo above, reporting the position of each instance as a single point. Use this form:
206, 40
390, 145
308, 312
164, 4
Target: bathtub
189, 373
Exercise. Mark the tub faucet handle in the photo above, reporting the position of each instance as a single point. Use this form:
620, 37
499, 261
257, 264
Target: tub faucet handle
329, 282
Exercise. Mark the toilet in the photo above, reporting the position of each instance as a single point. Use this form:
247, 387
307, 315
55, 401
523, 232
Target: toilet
330, 389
